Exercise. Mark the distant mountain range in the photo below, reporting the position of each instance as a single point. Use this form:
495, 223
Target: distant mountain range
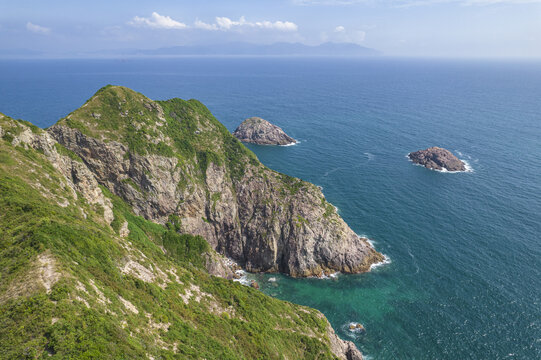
226, 49
276, 49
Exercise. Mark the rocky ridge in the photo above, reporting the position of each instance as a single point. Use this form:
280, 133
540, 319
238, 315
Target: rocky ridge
438, 159
174, 159
259, 131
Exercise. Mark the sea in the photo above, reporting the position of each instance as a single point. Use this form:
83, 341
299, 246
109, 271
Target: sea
463, 276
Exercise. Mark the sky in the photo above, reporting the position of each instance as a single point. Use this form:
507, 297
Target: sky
419, 28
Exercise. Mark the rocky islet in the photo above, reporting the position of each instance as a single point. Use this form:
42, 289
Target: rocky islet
256, 130
437, 158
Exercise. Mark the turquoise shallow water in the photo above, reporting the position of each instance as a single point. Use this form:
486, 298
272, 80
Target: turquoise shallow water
464, 280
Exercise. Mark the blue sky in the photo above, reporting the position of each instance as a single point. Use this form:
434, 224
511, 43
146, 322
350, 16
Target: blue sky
441, 28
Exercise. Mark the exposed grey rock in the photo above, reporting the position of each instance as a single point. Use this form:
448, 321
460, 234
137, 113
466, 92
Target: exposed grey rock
263, 220
253, 220
343, 349
77, 176
438, 159
258, 131
218, 265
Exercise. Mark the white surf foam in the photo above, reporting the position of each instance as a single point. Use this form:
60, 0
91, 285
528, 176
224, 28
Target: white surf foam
243, 277
386, 260
323, 276
352, 333
371, 242
292, 144
467, 166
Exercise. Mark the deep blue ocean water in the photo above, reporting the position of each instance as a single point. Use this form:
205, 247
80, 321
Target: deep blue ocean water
464, 280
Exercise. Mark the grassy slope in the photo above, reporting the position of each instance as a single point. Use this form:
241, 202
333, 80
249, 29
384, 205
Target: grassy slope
84, 314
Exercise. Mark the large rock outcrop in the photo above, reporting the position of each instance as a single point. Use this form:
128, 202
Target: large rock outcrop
174, 159
438, 159
259, 131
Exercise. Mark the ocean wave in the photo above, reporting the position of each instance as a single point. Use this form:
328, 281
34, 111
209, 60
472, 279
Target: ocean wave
324, 276
414, 260
386, 260
467, 165
243, 277
331, 171
292, 144
354, 332
370, 241
334, 275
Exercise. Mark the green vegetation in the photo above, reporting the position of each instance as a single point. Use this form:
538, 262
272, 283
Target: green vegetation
132, 184
300, 221
188, 129
96, 307
62, 150
293, 185
329, 209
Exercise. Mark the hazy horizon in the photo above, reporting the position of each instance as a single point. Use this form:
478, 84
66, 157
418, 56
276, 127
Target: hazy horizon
396, 28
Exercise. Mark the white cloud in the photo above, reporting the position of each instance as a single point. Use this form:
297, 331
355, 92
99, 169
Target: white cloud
226, 24
341, 35
198, 24
37, 28
157, 21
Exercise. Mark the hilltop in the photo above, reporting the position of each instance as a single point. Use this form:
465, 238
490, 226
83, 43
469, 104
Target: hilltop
115, 220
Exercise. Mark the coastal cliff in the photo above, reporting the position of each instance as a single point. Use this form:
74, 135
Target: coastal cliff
83, 276
173, 160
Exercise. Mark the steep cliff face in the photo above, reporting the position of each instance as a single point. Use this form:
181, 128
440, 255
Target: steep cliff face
173, 159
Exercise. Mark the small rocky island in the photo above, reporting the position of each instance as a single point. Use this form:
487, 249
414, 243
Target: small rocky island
437, 158
256, 130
